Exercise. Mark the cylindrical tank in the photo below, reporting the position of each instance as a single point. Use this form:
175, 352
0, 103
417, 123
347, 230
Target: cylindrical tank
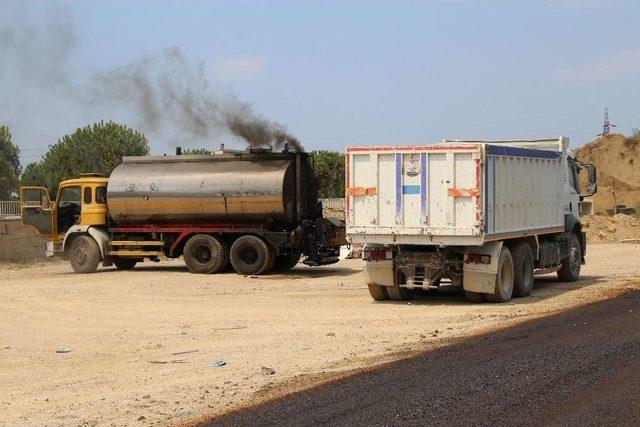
203, 189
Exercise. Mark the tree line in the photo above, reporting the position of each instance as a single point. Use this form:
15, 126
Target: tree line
99, 148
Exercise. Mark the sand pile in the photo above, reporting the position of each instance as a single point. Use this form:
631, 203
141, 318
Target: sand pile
617, 160
602, 229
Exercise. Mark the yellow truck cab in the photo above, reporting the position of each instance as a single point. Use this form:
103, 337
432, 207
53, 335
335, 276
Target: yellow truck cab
79, 207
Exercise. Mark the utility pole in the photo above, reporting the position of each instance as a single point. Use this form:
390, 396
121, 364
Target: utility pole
615, 204
606, 127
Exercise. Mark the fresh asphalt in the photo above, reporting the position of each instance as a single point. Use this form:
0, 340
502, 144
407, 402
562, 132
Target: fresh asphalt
577, 368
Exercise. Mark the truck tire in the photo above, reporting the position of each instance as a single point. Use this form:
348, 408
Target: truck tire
475, 297
272, 261
504, 279
570, 270
287, 262
522, 270
84, 254
205, 254
251, 255
125, 263
378, 293
397, 293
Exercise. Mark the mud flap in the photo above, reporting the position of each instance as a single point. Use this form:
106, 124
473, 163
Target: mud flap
480, 277
379, 272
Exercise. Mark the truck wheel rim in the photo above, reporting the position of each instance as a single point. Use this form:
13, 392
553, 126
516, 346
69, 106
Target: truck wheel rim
203, 254
574, 259
249, 255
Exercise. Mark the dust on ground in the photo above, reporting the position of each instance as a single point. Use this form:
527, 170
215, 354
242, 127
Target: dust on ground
148, 345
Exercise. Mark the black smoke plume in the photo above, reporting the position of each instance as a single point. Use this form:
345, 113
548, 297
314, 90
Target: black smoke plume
160, 90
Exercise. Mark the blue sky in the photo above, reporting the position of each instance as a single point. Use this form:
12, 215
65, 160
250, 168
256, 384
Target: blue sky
351, 72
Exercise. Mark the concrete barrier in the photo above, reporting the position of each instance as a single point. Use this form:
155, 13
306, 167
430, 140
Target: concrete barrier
18, 241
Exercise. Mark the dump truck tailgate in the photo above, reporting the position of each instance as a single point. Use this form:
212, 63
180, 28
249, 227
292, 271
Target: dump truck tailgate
414, 190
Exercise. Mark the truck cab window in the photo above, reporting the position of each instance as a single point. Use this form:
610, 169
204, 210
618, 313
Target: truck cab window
101, 195
69, 208
87, 195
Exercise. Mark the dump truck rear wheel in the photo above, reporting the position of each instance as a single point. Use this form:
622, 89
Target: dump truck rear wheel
475, 297
205, 254
522, 270
125, 263
84, 254
570, 270
251, 255
397, 293
504, 279
378, 293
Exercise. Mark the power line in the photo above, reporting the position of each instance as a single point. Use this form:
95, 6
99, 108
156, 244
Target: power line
606, 127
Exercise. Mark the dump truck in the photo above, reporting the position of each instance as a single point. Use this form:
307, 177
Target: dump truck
257, 210
484, 215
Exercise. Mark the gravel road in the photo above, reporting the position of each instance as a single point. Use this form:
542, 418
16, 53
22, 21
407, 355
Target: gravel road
118, 347
581, 367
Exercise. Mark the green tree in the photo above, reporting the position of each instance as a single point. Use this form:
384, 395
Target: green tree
10, 167
329, 168
96, 148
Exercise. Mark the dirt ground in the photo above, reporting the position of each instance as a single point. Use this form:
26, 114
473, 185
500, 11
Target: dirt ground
141, 346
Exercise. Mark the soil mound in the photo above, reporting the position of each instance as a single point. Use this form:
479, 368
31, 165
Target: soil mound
617, 159
603, 229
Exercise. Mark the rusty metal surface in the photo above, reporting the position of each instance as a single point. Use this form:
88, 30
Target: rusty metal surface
200, 189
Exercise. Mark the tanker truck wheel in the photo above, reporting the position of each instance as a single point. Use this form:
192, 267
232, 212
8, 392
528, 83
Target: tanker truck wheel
125, 263
251, 255
205, 254
84, 254
287, 262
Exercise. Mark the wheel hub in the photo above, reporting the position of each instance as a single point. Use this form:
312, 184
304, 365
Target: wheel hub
249, 255
203, 254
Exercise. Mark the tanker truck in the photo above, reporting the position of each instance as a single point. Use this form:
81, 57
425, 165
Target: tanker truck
257, 210
483, 215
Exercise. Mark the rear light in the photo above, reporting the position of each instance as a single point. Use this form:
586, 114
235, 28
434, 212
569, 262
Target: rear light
376, 255
478, 259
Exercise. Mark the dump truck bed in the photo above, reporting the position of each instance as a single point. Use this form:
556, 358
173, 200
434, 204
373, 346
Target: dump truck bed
454, 193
